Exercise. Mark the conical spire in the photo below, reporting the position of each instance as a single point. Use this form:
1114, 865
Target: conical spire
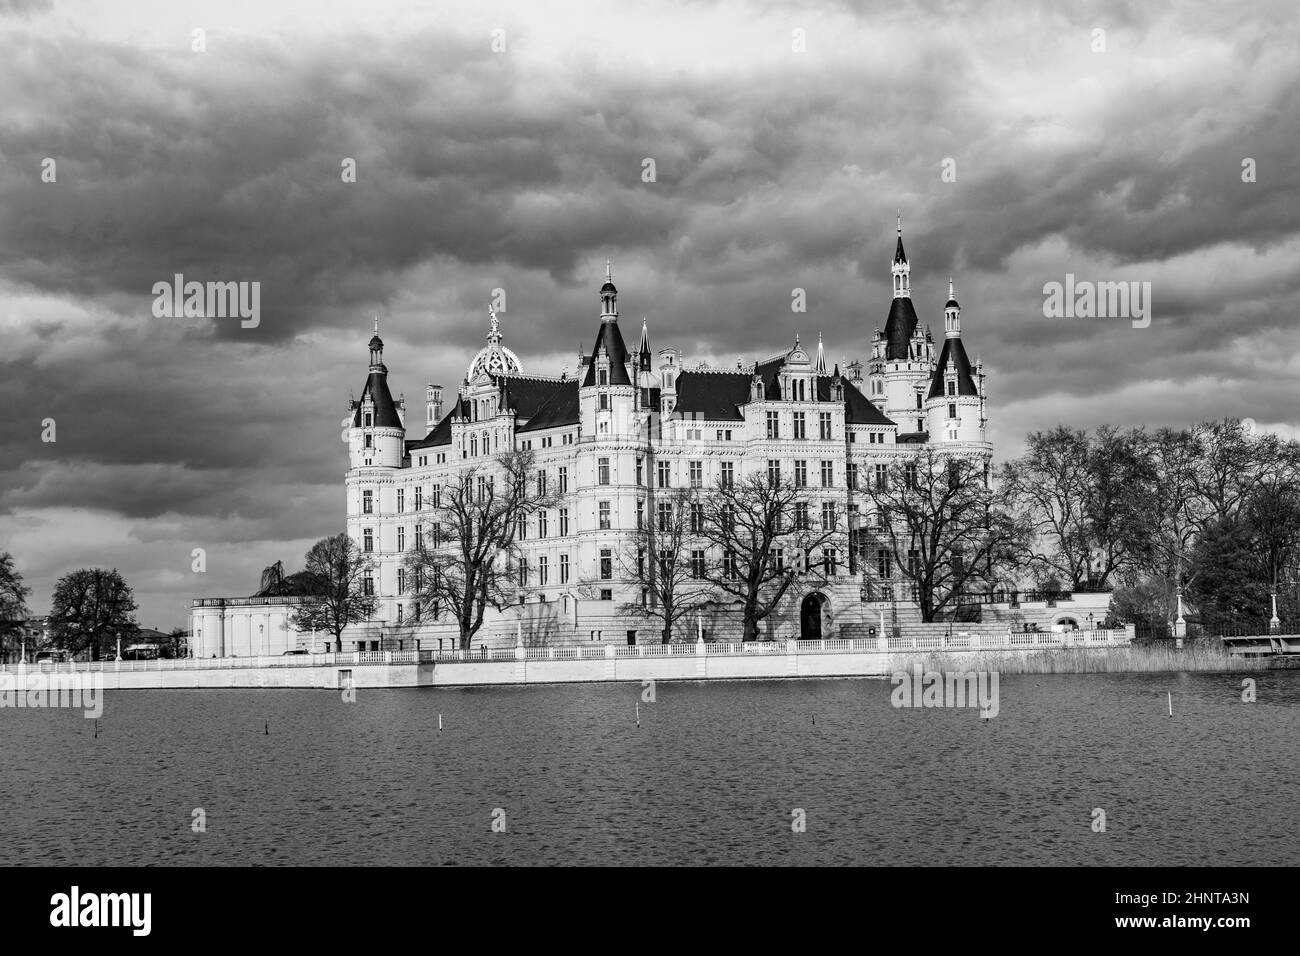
821, 354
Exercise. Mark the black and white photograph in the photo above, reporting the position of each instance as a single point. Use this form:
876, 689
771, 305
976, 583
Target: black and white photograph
716, 435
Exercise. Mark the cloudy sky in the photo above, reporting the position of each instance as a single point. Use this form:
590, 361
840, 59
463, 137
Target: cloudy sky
784, 138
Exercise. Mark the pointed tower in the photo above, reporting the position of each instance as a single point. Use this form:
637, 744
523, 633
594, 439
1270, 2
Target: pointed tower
901, 358
821, 355
378, 433
954, 403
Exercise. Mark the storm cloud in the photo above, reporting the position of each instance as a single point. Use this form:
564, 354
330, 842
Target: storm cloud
522, 169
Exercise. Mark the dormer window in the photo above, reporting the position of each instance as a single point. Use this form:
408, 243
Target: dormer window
952, 387
602, 377
369, 420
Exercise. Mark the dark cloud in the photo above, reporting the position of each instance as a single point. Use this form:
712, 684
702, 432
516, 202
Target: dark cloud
479, 171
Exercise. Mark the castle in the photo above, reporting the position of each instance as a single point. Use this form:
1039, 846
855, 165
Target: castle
632, 421
629, 424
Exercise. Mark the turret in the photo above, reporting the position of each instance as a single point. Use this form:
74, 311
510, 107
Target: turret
378, 433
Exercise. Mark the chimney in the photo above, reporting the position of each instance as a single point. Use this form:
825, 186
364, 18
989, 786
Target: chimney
432, 405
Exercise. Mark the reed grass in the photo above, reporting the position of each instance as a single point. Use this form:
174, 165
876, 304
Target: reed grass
1195, 656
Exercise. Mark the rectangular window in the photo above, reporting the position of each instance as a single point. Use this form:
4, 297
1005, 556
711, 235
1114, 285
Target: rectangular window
913, 563
602, 471
401, 538
728, 474
543, 569
697, 564
852, 476
801, 516
419, 497
828, 516
910, 472
778, 558
606, 564
882, 477
799, 425
800, 474
665, 512
369, 442
824, 426
401, 580
697, 517
419, 537
773, 471
606, 594
603, 516
543, 525
729, 565
697, 474
482, 488
884, 564
367, 502
952, 410
523, 573
368, 540
401, 500
564, 481
564, 522
832, 560
773, 425
521, 528
828, 474
541, 483
640, 514
665, 477
564, 569
368, 584
437, 496
639, 472
604, 401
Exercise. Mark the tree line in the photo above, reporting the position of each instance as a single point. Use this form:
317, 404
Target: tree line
1210, 512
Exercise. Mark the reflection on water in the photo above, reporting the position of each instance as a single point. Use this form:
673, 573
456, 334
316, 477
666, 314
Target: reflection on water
711, 775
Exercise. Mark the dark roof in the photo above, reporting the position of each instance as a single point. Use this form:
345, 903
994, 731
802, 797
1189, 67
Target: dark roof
965, 377
951, 304
860, 410
561, 408
440, 434
899, 327
899, 254
719, 395
376, 388
524, 395
610, 338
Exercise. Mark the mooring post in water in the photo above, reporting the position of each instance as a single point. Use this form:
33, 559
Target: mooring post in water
638, 713
1171, 703
440, 721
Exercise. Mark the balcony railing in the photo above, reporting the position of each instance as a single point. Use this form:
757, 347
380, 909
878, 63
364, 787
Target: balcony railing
956, 640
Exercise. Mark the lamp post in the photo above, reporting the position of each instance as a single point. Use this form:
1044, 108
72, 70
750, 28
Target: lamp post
1274, 622
1180, 625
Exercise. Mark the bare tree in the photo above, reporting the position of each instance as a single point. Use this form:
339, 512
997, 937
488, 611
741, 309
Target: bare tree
944, 528
90, 609
341, 597
1173, 511
763, 535
469, 559
666, 557
1049, 486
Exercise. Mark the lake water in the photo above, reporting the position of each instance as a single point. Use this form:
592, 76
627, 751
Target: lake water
711, 776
